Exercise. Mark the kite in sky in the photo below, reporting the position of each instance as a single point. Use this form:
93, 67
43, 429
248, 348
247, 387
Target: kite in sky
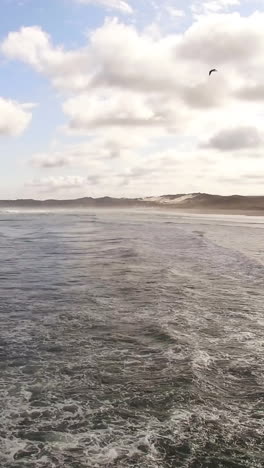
213, 70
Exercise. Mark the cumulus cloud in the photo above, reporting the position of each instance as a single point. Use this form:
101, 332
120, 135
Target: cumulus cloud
122, 78
131, 92
175, 67
28, 45
226, 39
14, 117
235, 139
33, 46
132, 60
113, 110
118, 5
118, 57
204, 95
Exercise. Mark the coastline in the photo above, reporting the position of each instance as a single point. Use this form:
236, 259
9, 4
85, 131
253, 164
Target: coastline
170, 209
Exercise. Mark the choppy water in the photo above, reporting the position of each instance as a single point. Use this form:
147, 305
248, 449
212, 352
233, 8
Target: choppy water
131, 340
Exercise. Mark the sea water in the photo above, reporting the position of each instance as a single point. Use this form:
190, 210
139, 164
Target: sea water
131, 339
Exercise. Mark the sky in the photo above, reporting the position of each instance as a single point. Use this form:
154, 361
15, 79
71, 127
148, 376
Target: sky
114, 98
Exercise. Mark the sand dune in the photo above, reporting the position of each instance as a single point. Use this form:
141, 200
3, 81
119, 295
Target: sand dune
196, 202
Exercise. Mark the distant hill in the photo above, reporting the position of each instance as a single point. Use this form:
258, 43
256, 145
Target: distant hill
204, 202
86, 202
196, 202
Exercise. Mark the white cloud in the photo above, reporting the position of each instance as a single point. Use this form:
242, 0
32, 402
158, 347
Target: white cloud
95, 155
119, 5
134, 173
14, 117
130, 172
117, 57
175, 66
56, 183
119, 109
29, 45
226, 39
213, 6
175, 12
33, 46
136, 94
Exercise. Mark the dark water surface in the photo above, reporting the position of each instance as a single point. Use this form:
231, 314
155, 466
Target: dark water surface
131, 340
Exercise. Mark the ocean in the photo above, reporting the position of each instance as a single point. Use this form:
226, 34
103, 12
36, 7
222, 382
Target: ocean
131, 339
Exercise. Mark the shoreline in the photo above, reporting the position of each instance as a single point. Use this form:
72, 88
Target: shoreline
171, 209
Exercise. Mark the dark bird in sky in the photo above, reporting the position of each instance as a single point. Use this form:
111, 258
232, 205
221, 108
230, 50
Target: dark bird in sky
213, 70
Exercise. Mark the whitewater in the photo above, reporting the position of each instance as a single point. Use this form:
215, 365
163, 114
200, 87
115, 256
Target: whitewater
131, 339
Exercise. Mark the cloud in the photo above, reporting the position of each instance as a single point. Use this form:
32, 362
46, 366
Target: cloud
119, 5
28, 45
226, 39
96, 154
131, 60
118, 57
138, 96
33, 46
171, 68
14, 117
213, 6
251, 92
121, 108
52, 160
203, 95
122, 78
104, 166
235, 139
140, 172
174, 12
256, 178
243, 179
56, 183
